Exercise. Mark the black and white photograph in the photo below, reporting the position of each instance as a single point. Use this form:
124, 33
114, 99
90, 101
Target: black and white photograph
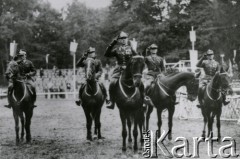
119, 79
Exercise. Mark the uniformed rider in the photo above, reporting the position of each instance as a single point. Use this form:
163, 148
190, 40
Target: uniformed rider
123, 52
27, 72
210, 67
98, 68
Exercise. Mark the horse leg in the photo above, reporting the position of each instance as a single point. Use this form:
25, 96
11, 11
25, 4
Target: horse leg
135, 133
170, 117
204, 124
98, 123
129, 124
210, 122
219, 125
159, 114
149, 111
89, 124
140, 124
23, 125
16, 126
28, 118
124, 130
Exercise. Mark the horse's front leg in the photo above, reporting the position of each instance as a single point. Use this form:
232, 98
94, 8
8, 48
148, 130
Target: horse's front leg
159, 115
124, 130
89, 123
219, 124
16, 126
148, 114
129, 124
170, 122
204, 122
28, 115
210, 117
22, 125
141, 125
135, 132
98, 123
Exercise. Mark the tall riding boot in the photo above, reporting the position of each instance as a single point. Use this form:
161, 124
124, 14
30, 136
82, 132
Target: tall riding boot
200, 96
224, 100
111, 101
79, 102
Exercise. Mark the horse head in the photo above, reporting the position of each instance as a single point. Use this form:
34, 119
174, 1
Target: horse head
222, 81
192, 86
135, 68
90, 69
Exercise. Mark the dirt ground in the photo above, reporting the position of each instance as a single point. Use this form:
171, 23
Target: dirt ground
59, 132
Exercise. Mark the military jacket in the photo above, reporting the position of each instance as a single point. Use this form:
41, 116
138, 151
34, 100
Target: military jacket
97, 62
27, 67
123, 53
154, 63
210, 67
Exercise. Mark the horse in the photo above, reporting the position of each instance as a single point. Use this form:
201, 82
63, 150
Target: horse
92, 100
211, 101
22, 101
162, 95
129, 100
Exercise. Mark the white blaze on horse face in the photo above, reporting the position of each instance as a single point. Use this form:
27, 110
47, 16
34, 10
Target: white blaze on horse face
88, 68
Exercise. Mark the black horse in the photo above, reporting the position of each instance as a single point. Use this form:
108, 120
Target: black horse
129, 100
211, 101
163, 95
92, 100
22, 101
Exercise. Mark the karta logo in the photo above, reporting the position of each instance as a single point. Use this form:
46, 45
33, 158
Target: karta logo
153, 144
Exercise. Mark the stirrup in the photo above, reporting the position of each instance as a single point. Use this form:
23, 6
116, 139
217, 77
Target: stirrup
226, 103
199, 106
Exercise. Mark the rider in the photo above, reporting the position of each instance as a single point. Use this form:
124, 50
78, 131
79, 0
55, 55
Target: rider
26, 71
123, 52
210, 67
98, 68
154, 64
12, 64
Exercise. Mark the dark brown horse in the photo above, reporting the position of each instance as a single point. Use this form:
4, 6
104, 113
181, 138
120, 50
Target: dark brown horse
22, 101
163, 95
211, 101
92, 100
129, 100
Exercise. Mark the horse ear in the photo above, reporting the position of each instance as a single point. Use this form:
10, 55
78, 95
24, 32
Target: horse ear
222, 70
197, 75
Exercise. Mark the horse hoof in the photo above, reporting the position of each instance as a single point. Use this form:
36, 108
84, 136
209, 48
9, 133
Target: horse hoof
101, 137
124, 149
89, 139
95, 137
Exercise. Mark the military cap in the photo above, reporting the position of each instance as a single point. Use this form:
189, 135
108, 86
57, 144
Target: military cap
153, 46
21, 52
90, 50
210, 52
122, 35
